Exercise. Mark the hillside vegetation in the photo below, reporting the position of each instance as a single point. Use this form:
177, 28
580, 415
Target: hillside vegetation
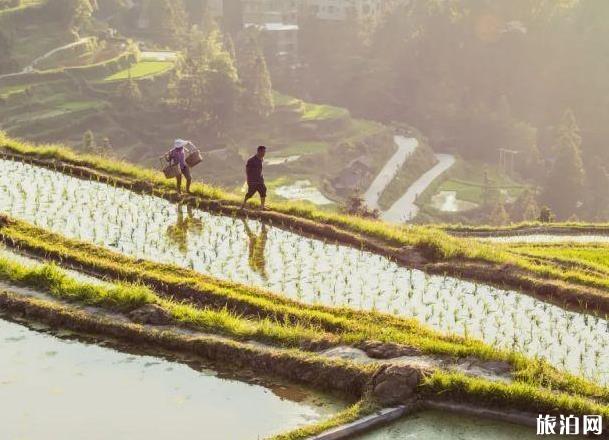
81, 74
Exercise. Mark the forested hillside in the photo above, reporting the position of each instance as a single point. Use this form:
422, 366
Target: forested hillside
476, 76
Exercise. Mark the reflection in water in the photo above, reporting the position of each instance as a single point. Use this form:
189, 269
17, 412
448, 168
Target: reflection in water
308, 270
48, 381
447, 201
257, 245
178, 233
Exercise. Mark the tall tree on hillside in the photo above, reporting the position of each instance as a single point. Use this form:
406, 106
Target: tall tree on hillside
129, 93
88, 140
229, 46
257, 96
597, 183
73, 13
262, 90
205, 90
525, 208
565, 184
568, 132
7, 63
221, 84
499, 216
168, 19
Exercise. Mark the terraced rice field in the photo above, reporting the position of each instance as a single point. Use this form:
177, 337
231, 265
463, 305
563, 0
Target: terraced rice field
141, 70
305, 269
548, 238
441, 426
7, 254
47, 379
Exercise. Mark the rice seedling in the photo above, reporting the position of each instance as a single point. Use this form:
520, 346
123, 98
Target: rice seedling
297, 266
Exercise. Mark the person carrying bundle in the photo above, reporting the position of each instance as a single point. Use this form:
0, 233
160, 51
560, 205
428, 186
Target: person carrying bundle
177, 156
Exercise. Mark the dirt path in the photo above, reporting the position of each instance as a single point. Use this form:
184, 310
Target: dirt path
405, 208
406, 146
31, 67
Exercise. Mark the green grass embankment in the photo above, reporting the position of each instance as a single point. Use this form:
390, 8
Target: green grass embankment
453, 255
141, 69
124, 297
528, 228
284, 321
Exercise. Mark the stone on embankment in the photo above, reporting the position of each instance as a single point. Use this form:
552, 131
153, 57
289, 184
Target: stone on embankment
143, 186
347, 353
387, 350
150, 314
396, 384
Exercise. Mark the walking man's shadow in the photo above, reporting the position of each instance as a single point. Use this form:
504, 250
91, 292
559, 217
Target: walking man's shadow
257, 244
178, 233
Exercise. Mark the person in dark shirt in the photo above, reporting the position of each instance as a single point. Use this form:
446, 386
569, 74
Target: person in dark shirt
255, 179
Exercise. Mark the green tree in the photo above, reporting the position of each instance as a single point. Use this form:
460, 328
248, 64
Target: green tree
531, 212
88, 140
597, 182
486, 189
129, 92
499, 216
168, 20
205, 90
263, 89
73, 13
355, 205
7, 63
546, 215
525, 208
229, 45
257, 95
564, 188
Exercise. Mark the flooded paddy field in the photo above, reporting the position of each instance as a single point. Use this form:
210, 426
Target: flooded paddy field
438, 425
305, 269
548, 238
61, 387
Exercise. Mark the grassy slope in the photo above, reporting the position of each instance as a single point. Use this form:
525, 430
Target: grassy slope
525, 227
335, 326
592, 258
467, 179
125, 297
140, 70
434, 243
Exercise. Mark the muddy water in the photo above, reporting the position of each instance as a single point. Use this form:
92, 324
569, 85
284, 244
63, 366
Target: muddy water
305, 269
53, 388
303, 190
447, 201
441, 426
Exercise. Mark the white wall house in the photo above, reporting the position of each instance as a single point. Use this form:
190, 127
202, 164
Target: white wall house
342, 9
261, 11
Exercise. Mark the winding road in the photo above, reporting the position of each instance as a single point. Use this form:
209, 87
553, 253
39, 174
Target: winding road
406, 146
405, 208
32, 66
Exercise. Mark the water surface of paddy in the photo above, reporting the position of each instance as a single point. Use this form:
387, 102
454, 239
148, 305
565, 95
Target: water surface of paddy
53, 388
442, 426
548, 238
304, 269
